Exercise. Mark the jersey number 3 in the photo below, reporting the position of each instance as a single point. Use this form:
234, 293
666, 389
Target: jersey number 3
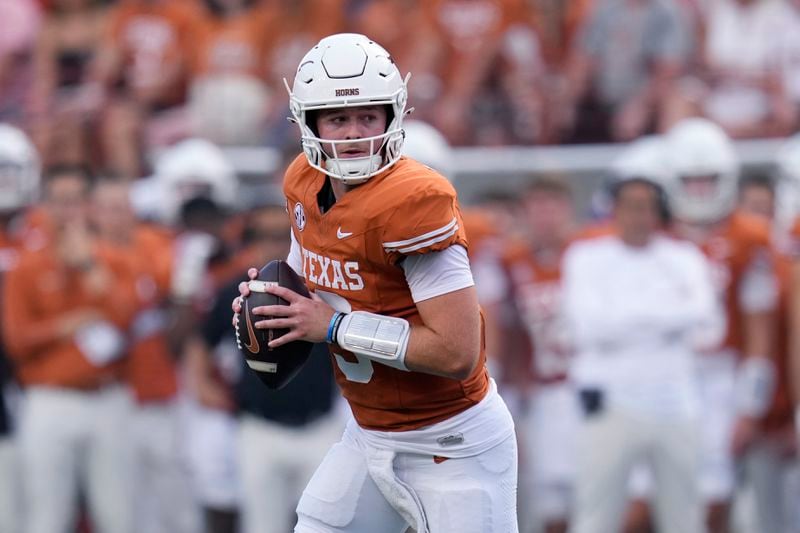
360, 371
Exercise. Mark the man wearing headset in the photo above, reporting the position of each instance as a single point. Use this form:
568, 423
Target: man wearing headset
380, 241
638, 304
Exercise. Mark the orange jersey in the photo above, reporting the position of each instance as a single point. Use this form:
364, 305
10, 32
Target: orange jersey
536, 291
780, 413
740, 241
153, 38
36, 296
237, 45
151, 369
351, 256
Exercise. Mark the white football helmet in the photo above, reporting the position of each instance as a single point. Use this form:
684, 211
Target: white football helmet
704, 171
427, 145
20, 169
644, 159
191, 168
349, 70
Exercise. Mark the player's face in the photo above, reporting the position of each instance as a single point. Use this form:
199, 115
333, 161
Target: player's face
549, 215
352, 123
636, 213
112, 214
66, 197
758, 201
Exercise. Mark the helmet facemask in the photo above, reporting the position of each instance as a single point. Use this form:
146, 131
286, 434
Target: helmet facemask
375, 81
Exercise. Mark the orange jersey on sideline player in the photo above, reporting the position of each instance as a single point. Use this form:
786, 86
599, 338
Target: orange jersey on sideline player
741, 242
352, 252
37, 295
151, 369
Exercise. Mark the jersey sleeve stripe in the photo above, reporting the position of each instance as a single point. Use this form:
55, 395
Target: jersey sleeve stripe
423, 244
414, 240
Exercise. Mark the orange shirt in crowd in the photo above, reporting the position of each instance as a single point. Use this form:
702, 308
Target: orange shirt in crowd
154, 40
237, 45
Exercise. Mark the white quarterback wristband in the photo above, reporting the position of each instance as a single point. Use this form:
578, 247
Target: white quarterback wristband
381, 338
755, 386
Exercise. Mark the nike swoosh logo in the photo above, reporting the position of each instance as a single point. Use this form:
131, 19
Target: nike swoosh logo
343, 234
252, 345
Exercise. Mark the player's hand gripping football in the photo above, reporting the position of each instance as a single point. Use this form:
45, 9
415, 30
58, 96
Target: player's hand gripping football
306, 318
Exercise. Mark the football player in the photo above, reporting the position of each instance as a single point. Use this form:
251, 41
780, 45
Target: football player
549, 424
737, 378
380, 241
770, 465
66, 306
19, 185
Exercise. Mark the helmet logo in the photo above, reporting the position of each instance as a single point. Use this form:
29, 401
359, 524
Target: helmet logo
299, 216
347, 92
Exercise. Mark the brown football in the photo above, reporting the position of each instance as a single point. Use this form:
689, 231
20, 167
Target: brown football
275, 367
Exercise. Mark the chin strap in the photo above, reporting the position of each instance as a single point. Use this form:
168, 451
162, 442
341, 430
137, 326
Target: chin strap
356, 170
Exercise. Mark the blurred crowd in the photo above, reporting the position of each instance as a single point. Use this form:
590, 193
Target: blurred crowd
126, 406
108, 81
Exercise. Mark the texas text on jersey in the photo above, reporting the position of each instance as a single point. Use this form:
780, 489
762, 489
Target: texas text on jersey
351, 258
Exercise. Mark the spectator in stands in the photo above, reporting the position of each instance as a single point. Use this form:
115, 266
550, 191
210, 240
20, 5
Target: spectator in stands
635, 345
557, 24
489, 61
143, 67
302, 24
69, 41
66, 307
21, 22
739, 83
621, 70
229, 98
163, 499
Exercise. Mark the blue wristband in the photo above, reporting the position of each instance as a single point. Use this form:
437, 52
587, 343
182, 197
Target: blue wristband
329, 337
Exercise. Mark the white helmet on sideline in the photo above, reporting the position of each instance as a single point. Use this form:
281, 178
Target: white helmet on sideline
645, 159
191, 168
20, 169
427, 145
349, 70
704, 171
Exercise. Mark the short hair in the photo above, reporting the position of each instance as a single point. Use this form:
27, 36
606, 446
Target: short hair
763, 181
550, 184
57, 171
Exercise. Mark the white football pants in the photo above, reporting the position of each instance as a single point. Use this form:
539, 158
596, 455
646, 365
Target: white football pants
470, 495
70, 439
9, 486
610, 444
164, 499
276, 463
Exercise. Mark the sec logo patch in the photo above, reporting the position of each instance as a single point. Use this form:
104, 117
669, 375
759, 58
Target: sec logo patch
299, 216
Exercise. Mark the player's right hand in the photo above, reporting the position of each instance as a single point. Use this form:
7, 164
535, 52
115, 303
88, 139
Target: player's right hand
244, 291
